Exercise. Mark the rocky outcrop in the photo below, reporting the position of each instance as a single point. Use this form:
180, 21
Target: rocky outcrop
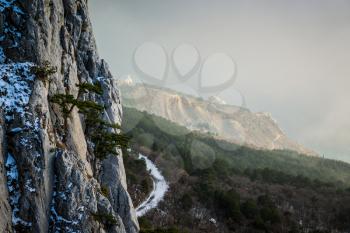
60, 178
76, 196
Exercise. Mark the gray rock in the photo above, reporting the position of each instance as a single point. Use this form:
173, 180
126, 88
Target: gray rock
5, 209
120, 199
53, 155
78, 204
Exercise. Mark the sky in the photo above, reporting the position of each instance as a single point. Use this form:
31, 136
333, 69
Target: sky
289, 58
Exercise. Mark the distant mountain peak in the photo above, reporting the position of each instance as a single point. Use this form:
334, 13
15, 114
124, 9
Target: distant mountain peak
128, 81
227, 122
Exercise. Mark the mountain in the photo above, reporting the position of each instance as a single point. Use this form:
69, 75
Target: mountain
61, 166
231, 123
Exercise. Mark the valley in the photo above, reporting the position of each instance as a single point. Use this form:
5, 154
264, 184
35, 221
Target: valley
239, 190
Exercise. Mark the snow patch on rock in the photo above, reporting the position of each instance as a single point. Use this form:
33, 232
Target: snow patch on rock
13, 187
16, 81
5, 4
2, 55
58, 221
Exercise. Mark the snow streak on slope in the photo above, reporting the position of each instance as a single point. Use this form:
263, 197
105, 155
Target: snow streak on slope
160, 187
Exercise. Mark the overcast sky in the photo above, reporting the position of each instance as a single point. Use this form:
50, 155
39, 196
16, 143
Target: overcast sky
292, 57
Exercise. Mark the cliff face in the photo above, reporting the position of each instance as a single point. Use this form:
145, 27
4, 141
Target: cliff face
227, 122
51, 178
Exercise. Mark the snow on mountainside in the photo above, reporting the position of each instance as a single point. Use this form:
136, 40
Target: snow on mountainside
227, 122
160, 187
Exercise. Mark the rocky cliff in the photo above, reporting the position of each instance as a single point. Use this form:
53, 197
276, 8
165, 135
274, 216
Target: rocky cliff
232, 123
53, 178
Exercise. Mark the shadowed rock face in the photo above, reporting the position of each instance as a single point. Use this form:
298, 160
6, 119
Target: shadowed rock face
5, 209
59, 176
